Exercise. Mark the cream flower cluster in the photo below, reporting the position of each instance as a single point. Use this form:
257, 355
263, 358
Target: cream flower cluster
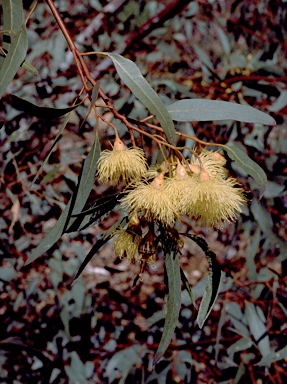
200, 189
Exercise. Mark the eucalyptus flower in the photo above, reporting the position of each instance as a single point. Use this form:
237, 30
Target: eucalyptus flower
121, 164
213, 201
153, 200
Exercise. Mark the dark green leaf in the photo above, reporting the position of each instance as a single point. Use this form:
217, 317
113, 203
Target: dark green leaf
133, 79
187, 286
210, 110
76, 203
41, 112
173, 303
213, 280
103, 240
248, 165
211, 289
14, 58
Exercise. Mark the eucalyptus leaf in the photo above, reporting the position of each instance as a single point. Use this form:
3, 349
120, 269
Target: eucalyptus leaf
248, 165
213, 280
210, 110
41, 112
173, 303
75, 205
12, 21
133, 79
14, 58
211, 289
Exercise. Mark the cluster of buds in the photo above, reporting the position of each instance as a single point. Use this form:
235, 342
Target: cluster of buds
200, 189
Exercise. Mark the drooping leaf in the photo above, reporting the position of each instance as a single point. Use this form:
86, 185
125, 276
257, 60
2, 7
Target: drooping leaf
211, 289
103, 240
41, 112
248, 165
14, 58
75, 205
173, 303
187, 286
210, 110
133, 79
213, 280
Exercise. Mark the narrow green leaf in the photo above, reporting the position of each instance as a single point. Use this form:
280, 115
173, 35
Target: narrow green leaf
87, 180
187, 287
173, 303
213, 280
103, 240
14, 58
248, 165
41, 112
133, 79
211, 289
209, 110
85, 185
12, 21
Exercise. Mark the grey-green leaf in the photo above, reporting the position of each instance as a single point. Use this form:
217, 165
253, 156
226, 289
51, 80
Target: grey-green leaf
12, 21
210, 110
86, 184
133, 79
173, 303
248, 165
211, 289
14, 58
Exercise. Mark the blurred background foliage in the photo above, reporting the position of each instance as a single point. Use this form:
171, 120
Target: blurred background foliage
100, 330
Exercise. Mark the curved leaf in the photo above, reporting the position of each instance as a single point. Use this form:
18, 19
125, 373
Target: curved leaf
75, 205
41, 112
213, 280
173, 303
14, 58
211, 289
209, 110
133, 79
12, 21
248, 165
